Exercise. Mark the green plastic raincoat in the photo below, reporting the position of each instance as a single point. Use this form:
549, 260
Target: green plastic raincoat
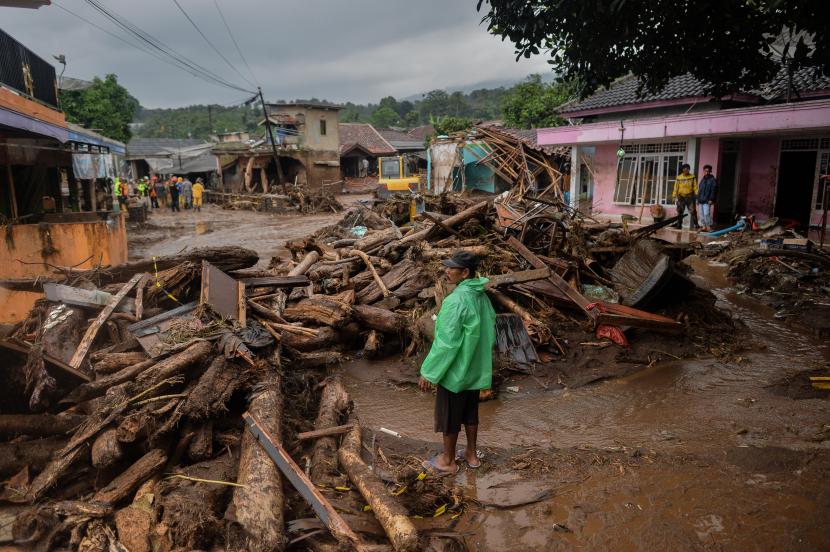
461, 357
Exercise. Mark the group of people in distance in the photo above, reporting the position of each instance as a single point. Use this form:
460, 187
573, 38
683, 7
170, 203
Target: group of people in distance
694, 196
179, 192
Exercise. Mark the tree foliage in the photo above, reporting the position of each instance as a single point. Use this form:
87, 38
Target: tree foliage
384, 117
733, 45
533, 103
448, 124
106, 105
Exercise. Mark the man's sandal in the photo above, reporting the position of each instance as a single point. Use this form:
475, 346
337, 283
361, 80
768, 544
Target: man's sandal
432, 467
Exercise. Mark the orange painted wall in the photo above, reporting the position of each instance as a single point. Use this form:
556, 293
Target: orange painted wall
21, 104
104, 241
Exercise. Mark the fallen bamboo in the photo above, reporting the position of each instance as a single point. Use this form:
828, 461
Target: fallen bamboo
391, 515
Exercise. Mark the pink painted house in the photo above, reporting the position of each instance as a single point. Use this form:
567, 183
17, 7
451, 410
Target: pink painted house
766, 149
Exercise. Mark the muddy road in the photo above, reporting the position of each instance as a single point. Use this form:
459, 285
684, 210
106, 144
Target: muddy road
701, 454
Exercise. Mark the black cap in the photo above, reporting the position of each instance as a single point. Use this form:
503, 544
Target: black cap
463, 259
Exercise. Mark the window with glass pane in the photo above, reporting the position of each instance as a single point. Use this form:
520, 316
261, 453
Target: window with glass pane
647, 185
626, 173
390, 168
671, 168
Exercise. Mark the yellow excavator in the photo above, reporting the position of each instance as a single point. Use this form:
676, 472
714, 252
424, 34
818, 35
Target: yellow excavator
394, 176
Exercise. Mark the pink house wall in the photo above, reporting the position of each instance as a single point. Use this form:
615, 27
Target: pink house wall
758, 175
709, 155
605, 180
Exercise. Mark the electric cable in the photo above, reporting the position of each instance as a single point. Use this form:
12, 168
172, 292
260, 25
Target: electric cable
235, 43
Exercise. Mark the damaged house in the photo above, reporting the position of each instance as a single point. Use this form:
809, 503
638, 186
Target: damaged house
306, 147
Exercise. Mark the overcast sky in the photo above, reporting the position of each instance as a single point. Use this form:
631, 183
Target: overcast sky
355, 50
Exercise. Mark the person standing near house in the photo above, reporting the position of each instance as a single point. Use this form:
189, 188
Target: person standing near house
460, 361
161, 191
198, 190
187, 191
707, 194
142, 193
174, 195
364, 167
685, 196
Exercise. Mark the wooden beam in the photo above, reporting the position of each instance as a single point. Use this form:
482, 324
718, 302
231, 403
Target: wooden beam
276, 281
557, 280
300, 481
326, 432
25, 348
10, 178
92, 331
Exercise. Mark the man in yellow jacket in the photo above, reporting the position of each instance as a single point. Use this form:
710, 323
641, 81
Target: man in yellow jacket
198, 190
685, 196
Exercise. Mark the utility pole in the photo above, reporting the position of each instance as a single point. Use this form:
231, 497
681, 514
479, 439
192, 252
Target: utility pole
271, 139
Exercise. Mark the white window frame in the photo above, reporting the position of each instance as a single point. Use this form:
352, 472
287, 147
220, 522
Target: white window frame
665, 154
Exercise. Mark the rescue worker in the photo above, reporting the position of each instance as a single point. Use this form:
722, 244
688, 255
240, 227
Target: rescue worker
174, 195
142, 193
121, 194
161, 192
685, 196
198, 190
187, 191
180, 187
460, 361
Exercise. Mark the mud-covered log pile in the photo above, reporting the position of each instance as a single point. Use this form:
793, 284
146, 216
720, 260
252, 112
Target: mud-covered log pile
145, 438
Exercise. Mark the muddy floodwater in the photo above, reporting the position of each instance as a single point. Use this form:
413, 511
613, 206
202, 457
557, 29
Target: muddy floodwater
701, 454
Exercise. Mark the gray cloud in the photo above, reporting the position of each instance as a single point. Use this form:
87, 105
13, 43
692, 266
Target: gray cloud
359, 50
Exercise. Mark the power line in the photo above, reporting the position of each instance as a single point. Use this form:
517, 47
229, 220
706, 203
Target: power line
162, 48
134, 45
238, 50
215, 49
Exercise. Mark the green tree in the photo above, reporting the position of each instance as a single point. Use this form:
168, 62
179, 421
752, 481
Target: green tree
411, 119
448, 125
384, 117
533, 103
404, 107
105, 105
732, 46
434, 104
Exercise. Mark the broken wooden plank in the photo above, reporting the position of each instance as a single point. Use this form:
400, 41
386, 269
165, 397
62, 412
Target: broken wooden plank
325, 432
25, 348
497, 280
276, 281
577, 298
139, 297
91, 332
298, 479
222, 293
89, 298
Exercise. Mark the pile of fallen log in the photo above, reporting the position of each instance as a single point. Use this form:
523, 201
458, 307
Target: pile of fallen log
144, 404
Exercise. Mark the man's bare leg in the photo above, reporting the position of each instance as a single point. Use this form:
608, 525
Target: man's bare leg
446, 460
470, 451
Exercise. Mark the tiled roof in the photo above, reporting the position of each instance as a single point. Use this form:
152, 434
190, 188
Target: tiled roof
804, 80
400, 140
149, 147
623, 91
421, 132
365, 136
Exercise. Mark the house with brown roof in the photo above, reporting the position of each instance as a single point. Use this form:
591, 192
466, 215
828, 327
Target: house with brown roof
359, 141
766, 147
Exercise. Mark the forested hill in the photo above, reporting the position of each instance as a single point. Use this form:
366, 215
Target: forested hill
486, 104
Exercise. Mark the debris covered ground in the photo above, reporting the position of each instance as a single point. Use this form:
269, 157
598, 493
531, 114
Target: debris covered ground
679, 443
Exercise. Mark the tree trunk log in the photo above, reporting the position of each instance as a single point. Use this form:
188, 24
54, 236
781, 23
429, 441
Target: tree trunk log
255, 516
35, 454
175, 364
325, 338
37, 425
446, 252
333, 404
113, 362
128, 481
305, 264
450, 222
388, 511
380, 237
395, 278
99, 386
379, 319
106, 449
320, 309
201, 447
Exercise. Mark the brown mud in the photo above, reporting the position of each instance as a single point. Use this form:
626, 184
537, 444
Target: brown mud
716, 452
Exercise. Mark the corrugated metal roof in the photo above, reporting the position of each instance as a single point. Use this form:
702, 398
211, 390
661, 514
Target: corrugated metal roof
156, 147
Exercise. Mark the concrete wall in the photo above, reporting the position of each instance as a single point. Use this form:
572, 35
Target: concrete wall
605, 179
709, 154
310, 127
60, 244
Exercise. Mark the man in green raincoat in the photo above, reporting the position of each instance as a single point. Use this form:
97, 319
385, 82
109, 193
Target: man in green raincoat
460, 362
